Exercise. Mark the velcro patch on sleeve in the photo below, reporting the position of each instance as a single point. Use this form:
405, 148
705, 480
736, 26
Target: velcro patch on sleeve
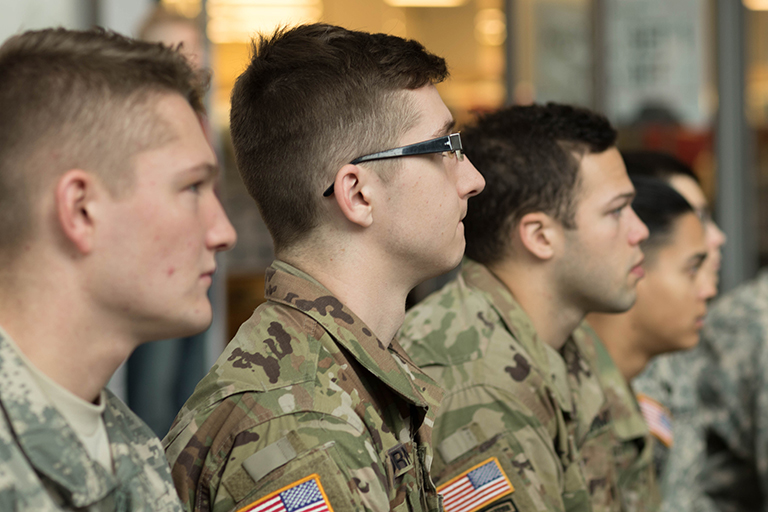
305, 495
657, 417
475, 488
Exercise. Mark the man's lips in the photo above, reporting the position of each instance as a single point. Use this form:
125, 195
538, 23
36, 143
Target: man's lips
638, 269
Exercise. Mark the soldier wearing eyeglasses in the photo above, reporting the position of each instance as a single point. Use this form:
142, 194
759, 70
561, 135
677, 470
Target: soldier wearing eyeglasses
349, 152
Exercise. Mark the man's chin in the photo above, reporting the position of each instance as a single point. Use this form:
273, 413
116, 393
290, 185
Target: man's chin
619, 304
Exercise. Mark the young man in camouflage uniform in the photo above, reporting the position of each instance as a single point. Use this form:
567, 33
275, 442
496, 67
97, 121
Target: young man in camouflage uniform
109, 225
552, 238
314, 404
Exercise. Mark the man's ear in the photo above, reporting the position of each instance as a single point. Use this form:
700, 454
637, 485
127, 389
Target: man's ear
538, 233
352, 193
74, 194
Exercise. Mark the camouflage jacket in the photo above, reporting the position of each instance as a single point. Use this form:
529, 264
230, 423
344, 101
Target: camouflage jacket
633, 452
718, 395
538, 413
680, 455
306, 404
43, 465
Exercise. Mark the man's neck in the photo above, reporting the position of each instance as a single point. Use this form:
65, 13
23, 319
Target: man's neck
52, 326
621, 339
553, 319
364, 285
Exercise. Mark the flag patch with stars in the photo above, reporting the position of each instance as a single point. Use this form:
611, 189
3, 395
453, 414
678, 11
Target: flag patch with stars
476, 487
658, 418
305, 495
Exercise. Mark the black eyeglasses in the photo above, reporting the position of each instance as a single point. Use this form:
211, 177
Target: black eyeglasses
449, 143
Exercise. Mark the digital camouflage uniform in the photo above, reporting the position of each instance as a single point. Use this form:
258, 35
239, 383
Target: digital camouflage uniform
670, 380
635, 448
305, 388
44, 467
541, 414
718, 395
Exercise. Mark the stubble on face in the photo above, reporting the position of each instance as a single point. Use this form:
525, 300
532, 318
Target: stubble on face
601, 254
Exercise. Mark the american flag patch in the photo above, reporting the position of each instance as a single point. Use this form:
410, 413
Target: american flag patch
476, 487
658, 418
306, 495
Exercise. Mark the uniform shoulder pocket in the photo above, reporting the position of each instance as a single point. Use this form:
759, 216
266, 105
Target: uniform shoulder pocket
310, 479
492, 472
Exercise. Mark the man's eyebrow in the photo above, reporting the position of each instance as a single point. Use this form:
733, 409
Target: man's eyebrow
212, 170
698, 258
629, 196
446, 128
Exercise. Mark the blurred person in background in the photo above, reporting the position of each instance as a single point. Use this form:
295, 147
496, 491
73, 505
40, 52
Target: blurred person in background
109, 226
552, 238
345, 144
670, 308
162, 375
673, 385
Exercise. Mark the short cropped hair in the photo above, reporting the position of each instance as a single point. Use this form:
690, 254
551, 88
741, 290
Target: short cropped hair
530, 158
314, 98
78, 99
659, 206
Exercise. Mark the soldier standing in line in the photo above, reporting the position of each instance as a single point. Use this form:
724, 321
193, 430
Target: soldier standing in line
552, 238
346, 146
109, 225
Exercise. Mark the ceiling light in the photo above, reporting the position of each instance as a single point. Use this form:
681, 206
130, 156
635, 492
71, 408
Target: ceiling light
756, 5
425, 3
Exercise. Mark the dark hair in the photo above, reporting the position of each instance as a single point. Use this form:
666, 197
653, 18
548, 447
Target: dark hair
658, 205
78, 99
530, 158
657, 164
314, 98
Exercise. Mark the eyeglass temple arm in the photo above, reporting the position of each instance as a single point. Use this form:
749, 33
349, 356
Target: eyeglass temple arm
420, 148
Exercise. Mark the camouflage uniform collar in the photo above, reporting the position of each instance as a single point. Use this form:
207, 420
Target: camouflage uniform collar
291, 287
519, 325
628, 422
41, 432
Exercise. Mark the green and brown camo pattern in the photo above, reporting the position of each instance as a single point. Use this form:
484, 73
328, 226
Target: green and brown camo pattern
633, 456
304, 367
543, 412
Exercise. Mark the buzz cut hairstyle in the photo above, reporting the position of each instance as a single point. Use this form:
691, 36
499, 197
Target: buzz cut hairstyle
79, 100
659, 206
313, 98
658, 164
530, 158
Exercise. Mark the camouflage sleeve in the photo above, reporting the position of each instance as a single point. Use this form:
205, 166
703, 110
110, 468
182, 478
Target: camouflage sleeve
284, 455
20, 486
483, 423
733, 388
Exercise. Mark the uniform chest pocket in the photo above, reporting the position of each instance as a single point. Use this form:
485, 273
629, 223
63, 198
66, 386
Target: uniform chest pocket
411, 486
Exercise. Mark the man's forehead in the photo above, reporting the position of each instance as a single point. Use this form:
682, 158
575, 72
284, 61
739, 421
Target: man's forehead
605, 174
433, 119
